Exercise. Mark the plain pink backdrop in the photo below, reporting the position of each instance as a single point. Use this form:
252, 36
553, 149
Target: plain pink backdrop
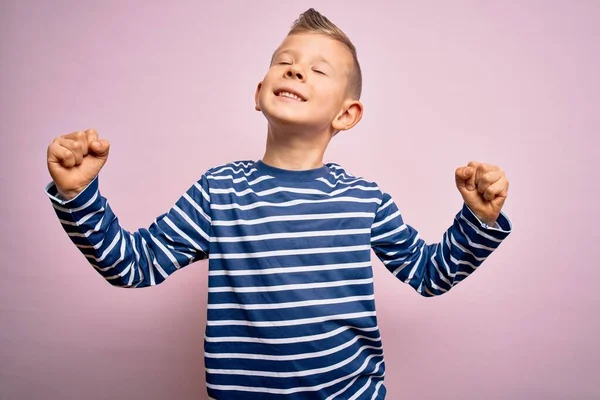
171, 86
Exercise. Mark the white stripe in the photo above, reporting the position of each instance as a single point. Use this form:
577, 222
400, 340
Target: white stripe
301, 217
197, 207
107, 250
458, 262
473, 244
410, 246
290, 322
290, 252
120, 274
82, 220
137, 261
387, 204
290, 190
343, 173
153, 261
165, 251
244, 164
478, 231
292, 374
117, 262
72, 210
182, 234
390, 233
231, 206
238, 180
203, 192
279, 288
308, 268
445, 240
416, 265
88, 233
362, 389
376, 390
192, 223
389, 217
299, 339
368, 383
401, 267
337, 181
435, 264
288, 235
235, 171
454, 242
290, 357
295, 389
132, 274
289, 304
93, 246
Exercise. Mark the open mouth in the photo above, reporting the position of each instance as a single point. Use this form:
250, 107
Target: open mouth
289, 94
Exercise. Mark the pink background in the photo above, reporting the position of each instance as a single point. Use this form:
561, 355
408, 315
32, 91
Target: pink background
509, 83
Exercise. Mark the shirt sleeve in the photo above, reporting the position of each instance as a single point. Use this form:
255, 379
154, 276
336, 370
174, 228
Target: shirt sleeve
147, 256
433, 269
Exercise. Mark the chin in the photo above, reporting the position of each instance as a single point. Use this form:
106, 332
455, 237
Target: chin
284, 117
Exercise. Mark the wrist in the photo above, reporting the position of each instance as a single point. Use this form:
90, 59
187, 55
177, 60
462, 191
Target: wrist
67, 194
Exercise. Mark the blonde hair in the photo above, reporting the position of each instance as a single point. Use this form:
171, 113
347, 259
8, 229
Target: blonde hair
314, 22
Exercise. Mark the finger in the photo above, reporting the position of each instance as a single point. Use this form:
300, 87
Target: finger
463, 173
100, 148
487, 179
74, 146
482, 169
470, 184
61, 155
497, 189
92, 136
81, 137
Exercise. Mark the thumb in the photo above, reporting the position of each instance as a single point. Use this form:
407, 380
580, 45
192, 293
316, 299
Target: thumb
100, 148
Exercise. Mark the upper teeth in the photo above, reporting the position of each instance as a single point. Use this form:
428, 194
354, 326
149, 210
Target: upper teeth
290, 95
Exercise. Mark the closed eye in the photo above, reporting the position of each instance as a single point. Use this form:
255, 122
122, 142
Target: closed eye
319, 72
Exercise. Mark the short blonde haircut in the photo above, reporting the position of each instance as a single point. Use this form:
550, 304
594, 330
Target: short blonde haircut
314, 22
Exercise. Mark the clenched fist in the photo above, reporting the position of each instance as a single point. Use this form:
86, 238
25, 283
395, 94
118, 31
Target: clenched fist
75, 159
484, 189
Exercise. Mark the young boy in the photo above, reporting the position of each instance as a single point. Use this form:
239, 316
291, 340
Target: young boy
291, 310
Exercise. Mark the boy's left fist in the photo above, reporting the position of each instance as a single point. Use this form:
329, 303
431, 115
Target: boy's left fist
484, 189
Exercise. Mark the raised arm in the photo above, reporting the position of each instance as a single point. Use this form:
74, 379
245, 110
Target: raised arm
142, 258
433, 269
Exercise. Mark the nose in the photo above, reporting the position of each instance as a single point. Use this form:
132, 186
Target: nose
295, 72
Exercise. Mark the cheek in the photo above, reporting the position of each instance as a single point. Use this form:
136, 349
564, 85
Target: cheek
331, 97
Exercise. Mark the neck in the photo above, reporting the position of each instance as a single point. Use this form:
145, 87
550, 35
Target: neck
295, 151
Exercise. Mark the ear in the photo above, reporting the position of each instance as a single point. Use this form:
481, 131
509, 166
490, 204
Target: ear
350, 115
256, 95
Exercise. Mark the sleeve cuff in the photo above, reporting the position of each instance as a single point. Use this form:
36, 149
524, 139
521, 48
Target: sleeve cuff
503, 223
81, 199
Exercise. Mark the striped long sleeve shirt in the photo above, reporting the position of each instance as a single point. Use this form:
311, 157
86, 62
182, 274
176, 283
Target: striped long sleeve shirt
291, 311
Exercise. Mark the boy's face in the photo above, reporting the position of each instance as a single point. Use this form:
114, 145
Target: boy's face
306, 85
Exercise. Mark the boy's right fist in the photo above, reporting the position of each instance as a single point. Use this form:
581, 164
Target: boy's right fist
75, 159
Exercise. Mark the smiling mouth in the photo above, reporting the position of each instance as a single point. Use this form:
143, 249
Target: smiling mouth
289, 95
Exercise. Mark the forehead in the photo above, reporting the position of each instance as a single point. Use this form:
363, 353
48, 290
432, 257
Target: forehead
315, 46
